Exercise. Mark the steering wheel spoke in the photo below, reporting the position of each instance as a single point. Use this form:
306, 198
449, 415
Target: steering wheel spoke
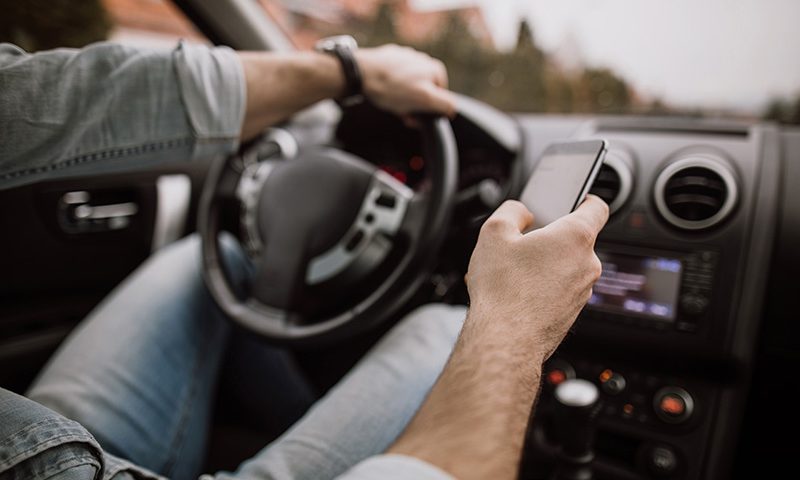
414, 217
279, 280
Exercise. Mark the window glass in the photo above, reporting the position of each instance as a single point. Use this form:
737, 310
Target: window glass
712, 58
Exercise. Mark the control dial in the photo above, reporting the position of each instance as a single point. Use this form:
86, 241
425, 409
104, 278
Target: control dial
673, 405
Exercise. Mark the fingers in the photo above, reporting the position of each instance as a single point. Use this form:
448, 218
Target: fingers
510, 218
585, 222
440, 74
436, 99
594, 211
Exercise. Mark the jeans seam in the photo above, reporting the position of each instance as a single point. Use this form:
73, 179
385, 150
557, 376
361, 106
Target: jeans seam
72, 462
328, 453
49, 441
110, 153
186, 409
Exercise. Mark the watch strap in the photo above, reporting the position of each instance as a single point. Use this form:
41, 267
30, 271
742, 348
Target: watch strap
352, 74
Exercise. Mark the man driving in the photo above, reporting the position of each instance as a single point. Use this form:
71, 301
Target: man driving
129, 394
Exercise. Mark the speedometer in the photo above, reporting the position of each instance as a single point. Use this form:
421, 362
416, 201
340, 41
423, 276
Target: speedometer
409, 170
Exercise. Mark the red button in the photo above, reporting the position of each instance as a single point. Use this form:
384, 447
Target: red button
556, 376
673, 405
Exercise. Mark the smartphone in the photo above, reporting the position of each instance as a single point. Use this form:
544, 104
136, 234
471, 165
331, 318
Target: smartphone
562, 179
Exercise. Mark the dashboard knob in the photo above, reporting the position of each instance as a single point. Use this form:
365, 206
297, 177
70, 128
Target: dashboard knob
558, 371
613, 383
673, 405
694, 304
662, 461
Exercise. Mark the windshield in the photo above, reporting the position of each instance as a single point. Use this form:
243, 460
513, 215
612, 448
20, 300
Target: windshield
712, 58
717, 58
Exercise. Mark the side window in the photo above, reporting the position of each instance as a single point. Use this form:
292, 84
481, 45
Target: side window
46, 24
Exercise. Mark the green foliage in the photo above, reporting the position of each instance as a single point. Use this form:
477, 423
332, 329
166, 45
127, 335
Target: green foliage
383, 28
45, 24
603, 92
784, 111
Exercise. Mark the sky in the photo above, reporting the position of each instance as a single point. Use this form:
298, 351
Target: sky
731, 54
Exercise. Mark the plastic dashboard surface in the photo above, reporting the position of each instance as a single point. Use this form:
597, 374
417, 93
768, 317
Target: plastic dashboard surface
709, 345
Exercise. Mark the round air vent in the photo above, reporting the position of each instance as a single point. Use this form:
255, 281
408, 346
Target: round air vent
614, 181
695, 192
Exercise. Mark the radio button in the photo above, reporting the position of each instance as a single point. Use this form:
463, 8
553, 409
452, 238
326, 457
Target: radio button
612, 382
673, 404
686, 327
694, 304
558, 370
663, 461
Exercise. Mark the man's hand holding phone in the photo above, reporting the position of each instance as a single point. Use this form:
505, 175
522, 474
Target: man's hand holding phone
526, 290
532, 286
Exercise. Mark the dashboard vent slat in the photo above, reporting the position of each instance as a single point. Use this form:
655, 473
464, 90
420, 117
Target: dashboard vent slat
614, 181
695, 193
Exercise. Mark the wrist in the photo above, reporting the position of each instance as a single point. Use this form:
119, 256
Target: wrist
343, 48
494, 327
328, 72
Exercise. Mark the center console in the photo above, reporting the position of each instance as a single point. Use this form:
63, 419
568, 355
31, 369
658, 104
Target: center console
669, 332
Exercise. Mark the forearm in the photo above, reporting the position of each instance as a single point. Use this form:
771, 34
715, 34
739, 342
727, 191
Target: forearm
473, 423
278, 85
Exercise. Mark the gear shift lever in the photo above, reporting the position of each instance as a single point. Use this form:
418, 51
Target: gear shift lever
577, 406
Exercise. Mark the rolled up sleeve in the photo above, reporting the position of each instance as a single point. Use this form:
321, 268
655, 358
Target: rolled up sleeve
112, 108
394, 467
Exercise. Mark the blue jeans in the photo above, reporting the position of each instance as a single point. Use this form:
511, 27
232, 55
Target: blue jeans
141, 372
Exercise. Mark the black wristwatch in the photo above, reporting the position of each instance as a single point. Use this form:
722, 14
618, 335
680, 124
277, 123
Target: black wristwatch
343, 47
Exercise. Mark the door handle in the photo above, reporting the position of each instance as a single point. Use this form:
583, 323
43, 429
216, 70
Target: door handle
106, 212
78, 215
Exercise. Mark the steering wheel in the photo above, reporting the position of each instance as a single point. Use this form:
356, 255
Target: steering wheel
336, 245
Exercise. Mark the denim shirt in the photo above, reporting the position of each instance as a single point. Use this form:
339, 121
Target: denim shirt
114, 108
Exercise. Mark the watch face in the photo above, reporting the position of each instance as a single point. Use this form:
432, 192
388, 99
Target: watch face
329, 43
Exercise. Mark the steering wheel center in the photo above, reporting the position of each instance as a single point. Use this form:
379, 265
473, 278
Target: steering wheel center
310, 202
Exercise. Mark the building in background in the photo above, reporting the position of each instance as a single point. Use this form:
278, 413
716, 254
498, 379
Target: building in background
160, 23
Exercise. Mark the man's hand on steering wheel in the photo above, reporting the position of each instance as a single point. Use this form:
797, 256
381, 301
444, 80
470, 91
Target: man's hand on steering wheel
402, 80
398, 79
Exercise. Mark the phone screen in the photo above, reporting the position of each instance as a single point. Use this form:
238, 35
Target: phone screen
562, 179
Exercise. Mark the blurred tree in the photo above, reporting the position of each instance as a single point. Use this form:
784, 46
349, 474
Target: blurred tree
783, 110
383, 29
794, 118
468, 63
524, 68
524, 79
657, 107
44, 24
601, 91
560, 91
777, 110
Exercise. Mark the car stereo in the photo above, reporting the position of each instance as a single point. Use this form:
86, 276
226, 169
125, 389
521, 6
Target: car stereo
658, 289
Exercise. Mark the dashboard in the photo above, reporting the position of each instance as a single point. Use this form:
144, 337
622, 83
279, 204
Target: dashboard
672, 335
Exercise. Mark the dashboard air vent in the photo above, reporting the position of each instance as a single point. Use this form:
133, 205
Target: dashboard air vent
695, 193
614, 180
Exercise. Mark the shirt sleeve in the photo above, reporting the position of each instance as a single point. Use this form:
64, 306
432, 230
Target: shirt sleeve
112, 108
394, 467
